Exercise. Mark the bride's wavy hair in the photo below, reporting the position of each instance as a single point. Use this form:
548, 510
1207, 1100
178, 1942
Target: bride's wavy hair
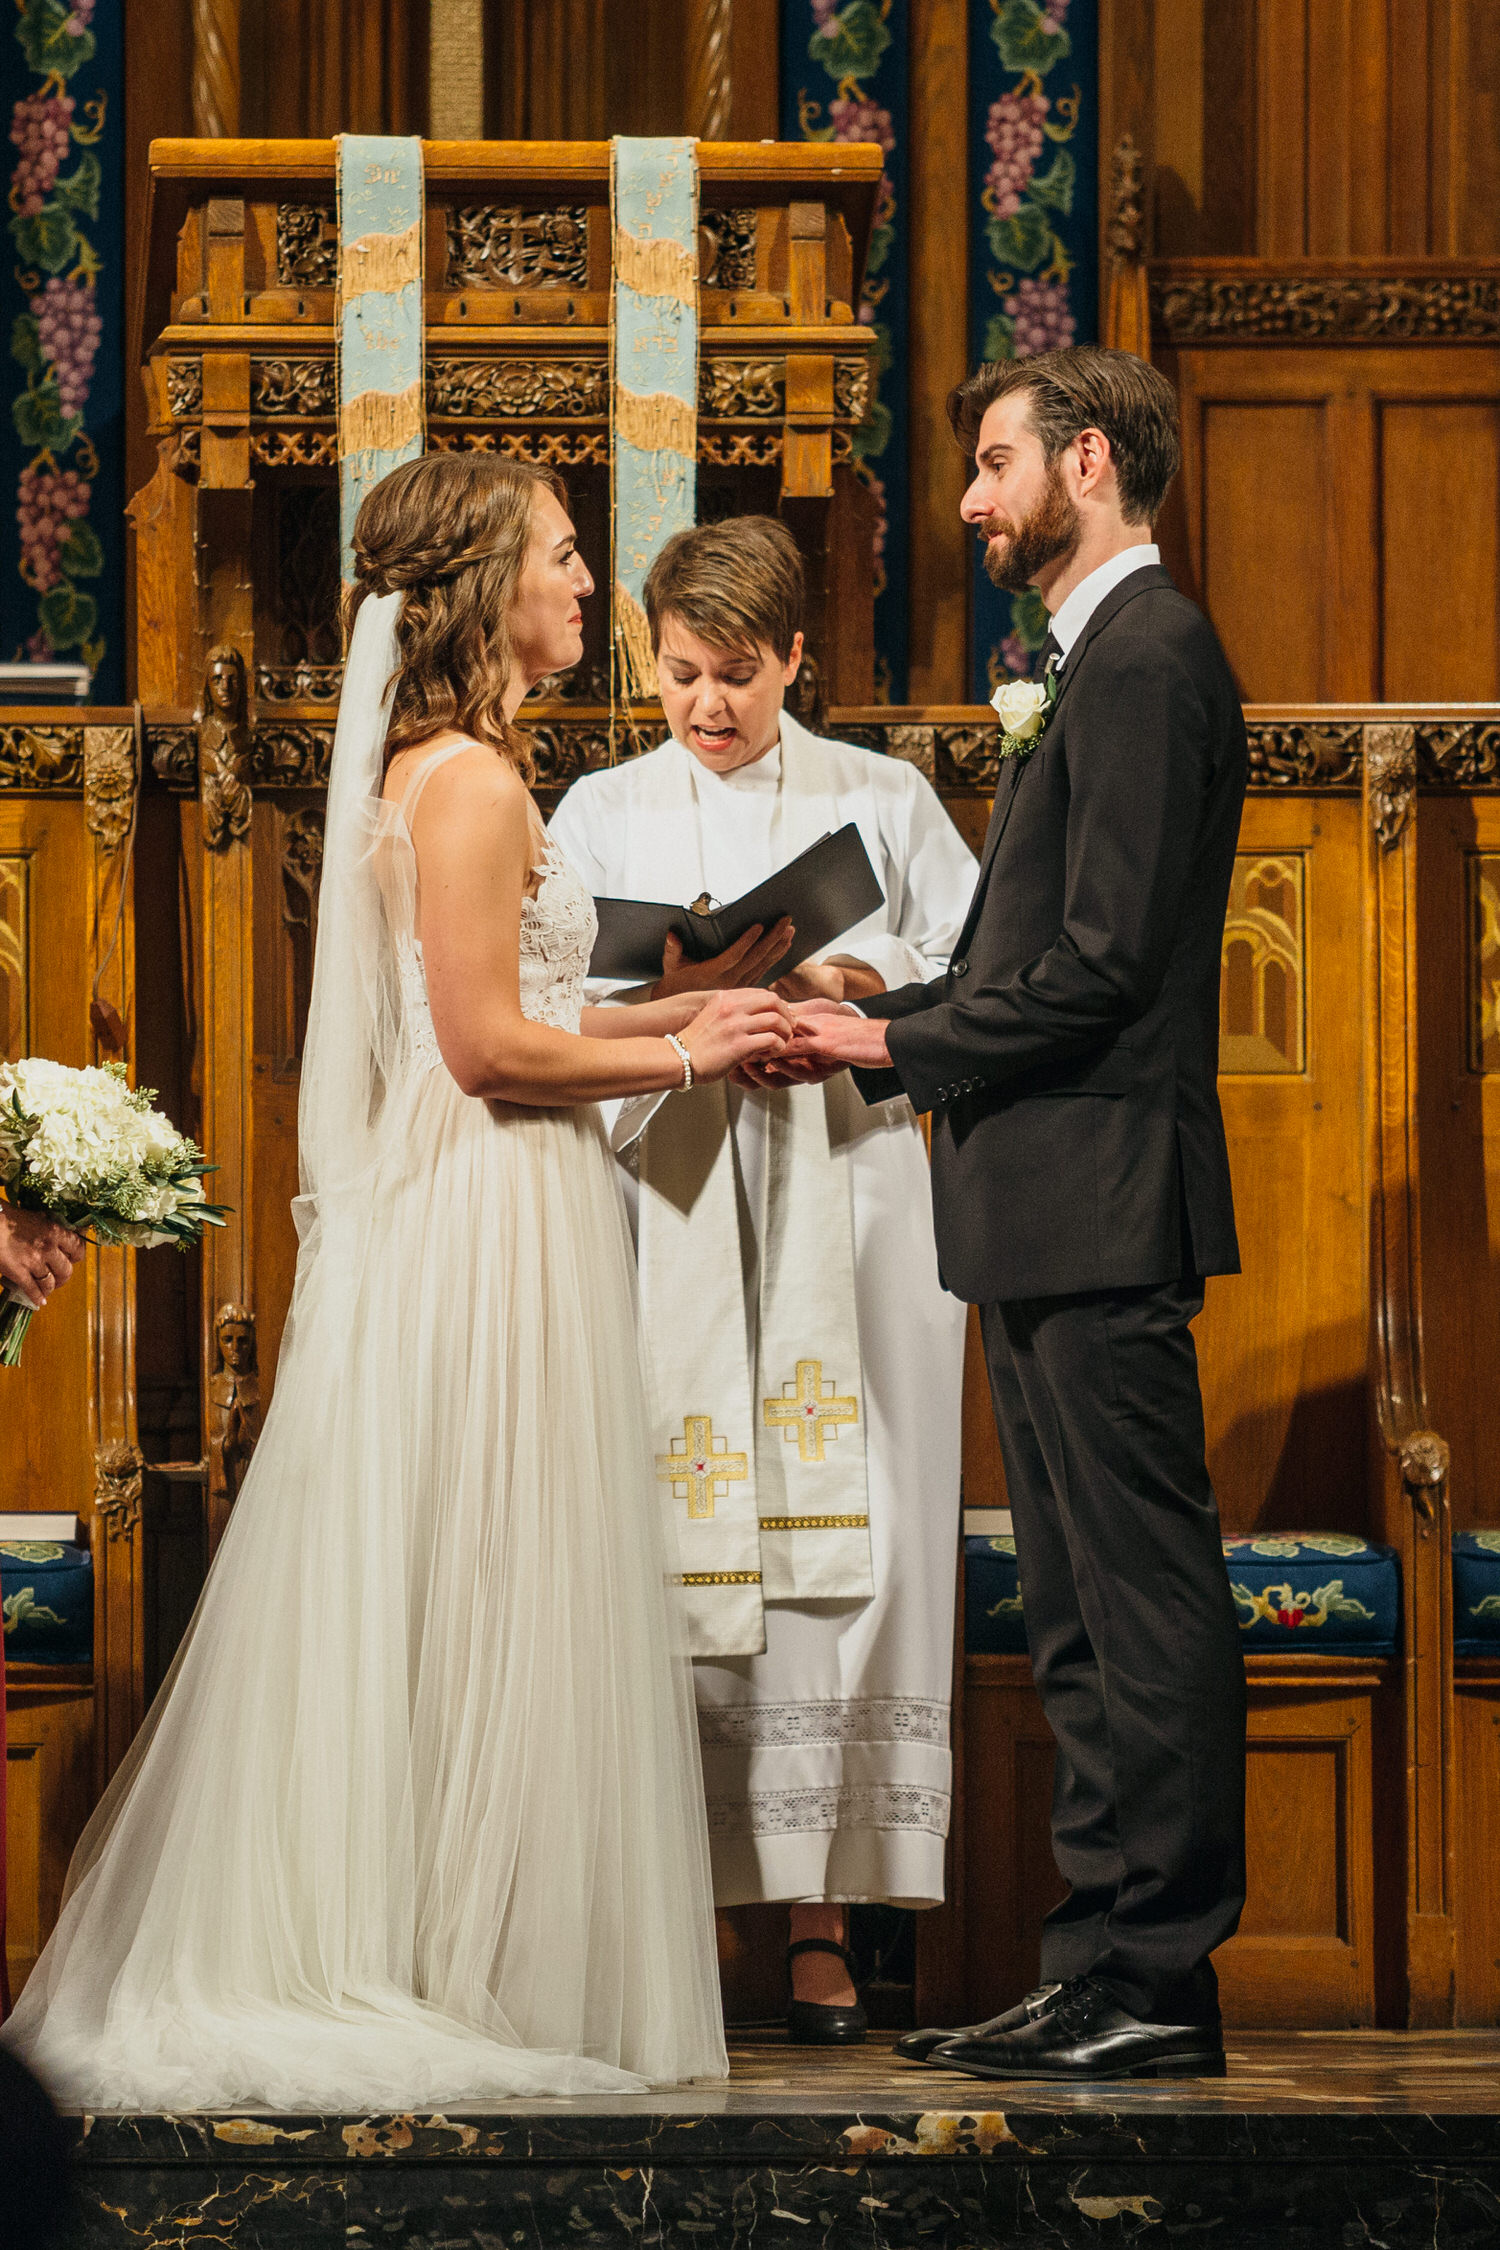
451, 532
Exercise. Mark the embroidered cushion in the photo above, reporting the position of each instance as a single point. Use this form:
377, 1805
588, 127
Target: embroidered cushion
1302, 1591
1476, 1593
1306, 1591
47, 1600
993, 1625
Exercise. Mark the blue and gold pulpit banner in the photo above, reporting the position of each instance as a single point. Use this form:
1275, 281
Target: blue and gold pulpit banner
379, 320
654, 391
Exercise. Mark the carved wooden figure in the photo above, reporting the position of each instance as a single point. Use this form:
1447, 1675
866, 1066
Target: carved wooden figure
224, 742
234, 1401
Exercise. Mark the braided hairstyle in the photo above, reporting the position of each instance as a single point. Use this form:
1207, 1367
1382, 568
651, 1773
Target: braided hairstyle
451, 532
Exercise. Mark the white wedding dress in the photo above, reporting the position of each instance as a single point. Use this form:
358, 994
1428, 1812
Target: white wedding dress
417, 1818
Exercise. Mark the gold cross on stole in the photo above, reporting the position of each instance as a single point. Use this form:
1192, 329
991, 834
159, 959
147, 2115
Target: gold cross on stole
805, 1410
703, 1471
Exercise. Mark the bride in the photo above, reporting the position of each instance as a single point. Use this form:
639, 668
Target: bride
417, 1817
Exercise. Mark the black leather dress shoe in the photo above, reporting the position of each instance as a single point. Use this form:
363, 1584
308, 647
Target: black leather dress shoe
1085, 2034
916, 2046
810, 2023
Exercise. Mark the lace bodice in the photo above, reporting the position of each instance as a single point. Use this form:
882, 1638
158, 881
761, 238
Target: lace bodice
558, 927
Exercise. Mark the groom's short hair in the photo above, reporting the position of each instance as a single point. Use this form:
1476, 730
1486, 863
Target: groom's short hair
738, 585
1087, 387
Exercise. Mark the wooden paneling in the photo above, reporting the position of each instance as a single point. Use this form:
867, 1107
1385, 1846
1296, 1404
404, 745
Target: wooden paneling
1282, 1346
941, 546
1460, 1121
1477, 1895
1323, 128
49, 1725
1264, 507
1340, 516
1440, 549
45, 1457
1305, 1955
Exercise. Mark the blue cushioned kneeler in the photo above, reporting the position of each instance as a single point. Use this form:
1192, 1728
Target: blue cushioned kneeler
1315, 1592
1301, 1592
993, 1625
1476, 1593
47, 1594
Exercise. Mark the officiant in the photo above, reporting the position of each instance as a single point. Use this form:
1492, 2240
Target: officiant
806, 1365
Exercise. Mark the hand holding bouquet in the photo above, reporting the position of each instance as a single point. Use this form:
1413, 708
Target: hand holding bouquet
80, 1147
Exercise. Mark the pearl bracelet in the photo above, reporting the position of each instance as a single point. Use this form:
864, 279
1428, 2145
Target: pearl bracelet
679, 1048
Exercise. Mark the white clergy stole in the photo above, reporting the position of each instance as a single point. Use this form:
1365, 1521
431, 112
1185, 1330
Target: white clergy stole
758, 1406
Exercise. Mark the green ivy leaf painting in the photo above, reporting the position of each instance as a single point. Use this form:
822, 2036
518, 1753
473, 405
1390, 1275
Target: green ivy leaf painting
68, 617
40, 420
854, 42
874, 432
80, 192
47, 238
1023, 240
1021, 41
81, 554
46, 41
25, 343
1055, 188
999, 337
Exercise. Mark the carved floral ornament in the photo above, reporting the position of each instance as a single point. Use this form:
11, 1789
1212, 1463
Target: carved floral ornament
1332, 308
119, 1472
109, 783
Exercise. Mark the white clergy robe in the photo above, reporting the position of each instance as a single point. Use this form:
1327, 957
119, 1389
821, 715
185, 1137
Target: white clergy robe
826, 1757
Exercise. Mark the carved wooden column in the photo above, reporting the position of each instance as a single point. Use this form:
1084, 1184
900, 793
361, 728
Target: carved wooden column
216, 68
710, 28
1411, 1459
110, 781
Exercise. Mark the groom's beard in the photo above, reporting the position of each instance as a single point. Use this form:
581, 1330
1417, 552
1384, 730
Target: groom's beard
1049, 534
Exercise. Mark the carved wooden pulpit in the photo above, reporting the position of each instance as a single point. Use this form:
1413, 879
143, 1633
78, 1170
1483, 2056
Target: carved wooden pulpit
237, 554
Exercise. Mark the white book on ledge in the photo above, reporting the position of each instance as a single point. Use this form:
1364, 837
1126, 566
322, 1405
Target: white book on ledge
24, 1525
987, 1523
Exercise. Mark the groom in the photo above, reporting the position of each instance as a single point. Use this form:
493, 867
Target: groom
1081, 1192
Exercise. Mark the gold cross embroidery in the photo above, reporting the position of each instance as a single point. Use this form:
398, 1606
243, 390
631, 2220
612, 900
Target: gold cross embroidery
805, 1410
705, 1468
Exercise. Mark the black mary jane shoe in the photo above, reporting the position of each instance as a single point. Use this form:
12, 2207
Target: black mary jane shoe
808, 2022
916, 2046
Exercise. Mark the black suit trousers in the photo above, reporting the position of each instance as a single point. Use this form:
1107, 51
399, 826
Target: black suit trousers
1135, 1646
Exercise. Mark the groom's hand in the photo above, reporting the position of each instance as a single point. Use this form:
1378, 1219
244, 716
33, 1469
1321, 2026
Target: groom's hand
826, 1038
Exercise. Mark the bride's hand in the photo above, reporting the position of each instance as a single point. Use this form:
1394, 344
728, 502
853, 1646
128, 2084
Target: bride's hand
737, 1027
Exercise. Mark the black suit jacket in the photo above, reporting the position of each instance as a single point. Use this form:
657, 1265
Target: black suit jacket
1070, 1053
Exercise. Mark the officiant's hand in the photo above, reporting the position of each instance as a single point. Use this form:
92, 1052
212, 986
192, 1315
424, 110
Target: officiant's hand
840, 978
742, 964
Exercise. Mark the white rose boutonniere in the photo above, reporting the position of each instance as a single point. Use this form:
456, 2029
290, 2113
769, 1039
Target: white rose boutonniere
1023, 708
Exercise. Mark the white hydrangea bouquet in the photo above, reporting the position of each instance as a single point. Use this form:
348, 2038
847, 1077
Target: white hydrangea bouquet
81, 1146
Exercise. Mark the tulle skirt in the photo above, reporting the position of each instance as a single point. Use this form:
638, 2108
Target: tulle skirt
417, 1819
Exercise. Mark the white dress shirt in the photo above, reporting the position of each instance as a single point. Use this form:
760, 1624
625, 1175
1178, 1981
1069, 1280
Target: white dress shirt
1085, 598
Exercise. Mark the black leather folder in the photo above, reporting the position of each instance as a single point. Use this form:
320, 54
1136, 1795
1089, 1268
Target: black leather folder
825, 891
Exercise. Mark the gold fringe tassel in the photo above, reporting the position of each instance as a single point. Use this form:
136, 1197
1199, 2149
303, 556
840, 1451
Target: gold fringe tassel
658, 268
633, 647
656, 423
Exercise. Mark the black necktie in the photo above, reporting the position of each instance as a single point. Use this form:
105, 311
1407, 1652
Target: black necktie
1048, 657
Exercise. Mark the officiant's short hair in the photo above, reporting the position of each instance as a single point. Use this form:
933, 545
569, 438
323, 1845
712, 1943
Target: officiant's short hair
1087, 387
738, 585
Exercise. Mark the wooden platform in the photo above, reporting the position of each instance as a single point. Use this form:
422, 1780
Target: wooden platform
1314, 2141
